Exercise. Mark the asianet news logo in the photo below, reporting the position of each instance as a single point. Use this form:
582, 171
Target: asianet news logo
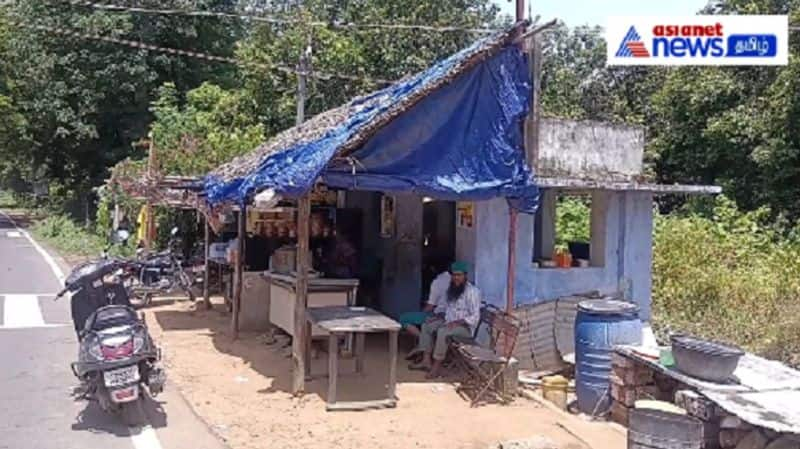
698, 40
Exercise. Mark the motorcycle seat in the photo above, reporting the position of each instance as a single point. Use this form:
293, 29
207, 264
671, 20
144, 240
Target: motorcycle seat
113, 316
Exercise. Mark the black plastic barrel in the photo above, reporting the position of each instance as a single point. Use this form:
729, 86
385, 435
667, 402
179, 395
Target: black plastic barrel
599, 326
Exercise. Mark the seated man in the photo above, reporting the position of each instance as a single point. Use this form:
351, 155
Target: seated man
433, 311
461, 316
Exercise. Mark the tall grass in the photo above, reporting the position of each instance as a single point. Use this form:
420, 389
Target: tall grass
733, 277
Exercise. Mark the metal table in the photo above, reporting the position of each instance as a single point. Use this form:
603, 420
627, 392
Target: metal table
340, 321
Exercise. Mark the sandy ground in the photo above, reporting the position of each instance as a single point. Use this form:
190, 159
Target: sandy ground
242, 390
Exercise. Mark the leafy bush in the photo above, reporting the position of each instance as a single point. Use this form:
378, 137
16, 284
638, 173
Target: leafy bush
573, 220
732, 277
69, 238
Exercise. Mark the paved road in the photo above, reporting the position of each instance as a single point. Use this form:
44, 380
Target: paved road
37, 345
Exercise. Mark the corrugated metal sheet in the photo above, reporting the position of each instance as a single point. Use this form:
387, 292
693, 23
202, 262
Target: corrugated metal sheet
763, 392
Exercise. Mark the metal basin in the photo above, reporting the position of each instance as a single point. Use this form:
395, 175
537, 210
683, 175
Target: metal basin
704, 359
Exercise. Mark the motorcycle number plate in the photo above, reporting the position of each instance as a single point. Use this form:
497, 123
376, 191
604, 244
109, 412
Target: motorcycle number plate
121, 376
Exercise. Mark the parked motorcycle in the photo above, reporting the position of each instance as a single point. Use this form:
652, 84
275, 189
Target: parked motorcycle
160, 273
117, 358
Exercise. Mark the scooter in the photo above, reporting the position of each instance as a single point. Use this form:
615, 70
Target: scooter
117, 358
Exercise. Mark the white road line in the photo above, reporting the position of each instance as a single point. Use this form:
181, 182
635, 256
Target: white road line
144, 438
13, 234
22, 311
43, 326
47, 257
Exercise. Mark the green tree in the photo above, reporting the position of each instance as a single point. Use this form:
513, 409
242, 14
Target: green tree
366, 53
210, 128
84, 102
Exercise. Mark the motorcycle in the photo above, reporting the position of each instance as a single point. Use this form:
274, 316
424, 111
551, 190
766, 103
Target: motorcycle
117, 358
160, 273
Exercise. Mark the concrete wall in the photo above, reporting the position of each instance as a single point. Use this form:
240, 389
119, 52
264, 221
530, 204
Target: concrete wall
627, 253
589, 150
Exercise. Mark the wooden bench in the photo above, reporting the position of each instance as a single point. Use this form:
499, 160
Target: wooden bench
483, 358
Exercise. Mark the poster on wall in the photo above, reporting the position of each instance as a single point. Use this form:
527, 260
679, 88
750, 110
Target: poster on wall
387, 216
465, 214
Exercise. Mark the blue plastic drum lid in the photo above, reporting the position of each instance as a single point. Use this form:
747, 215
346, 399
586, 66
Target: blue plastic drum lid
599, 326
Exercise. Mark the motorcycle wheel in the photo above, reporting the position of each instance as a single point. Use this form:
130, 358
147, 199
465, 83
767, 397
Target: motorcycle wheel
132, 413
186, 285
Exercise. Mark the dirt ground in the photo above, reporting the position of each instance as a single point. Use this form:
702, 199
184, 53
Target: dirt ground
242, 390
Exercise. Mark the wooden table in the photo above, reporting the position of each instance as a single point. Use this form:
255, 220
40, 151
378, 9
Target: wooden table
340, 321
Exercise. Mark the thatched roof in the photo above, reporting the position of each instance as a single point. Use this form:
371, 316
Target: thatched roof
414, 89
169, 191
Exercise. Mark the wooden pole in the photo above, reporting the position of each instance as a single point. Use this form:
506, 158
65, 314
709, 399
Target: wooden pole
206, 267
303, 260
512, 258
237, 294
520, 10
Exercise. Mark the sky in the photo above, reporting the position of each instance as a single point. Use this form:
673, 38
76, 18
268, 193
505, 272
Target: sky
595, 12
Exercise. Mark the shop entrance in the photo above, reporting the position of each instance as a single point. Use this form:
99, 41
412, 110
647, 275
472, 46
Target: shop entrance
439, 240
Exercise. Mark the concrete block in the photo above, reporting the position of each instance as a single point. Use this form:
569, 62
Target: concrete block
696, 405
753, 440
620, 413
785, 442
734, 422
637, 375
628, 395
729, 438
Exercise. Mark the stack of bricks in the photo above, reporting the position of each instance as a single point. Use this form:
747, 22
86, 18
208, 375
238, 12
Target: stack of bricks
701, 408
630, 381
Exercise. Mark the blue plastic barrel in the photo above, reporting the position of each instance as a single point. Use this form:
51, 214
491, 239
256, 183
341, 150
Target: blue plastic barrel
599, 326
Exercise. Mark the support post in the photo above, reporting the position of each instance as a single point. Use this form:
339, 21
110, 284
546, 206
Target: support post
520, 10
237, 293
303, 260
512, 258
206, 266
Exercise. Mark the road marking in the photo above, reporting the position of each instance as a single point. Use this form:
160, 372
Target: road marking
22, 311
144, 438
47, 257
43, 326
13, 234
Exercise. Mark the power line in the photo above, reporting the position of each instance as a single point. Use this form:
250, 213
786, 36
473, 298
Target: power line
276, 20
196, 54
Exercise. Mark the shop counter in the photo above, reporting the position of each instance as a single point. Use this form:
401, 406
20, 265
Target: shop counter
322, 292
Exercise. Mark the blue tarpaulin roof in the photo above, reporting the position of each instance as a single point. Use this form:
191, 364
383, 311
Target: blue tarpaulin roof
451, 132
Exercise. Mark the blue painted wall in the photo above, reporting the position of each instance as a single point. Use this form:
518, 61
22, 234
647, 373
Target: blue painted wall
627, 224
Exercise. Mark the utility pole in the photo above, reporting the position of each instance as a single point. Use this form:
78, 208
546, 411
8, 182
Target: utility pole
299, 340
520, 10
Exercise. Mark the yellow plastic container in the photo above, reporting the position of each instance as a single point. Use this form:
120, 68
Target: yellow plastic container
554, 389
